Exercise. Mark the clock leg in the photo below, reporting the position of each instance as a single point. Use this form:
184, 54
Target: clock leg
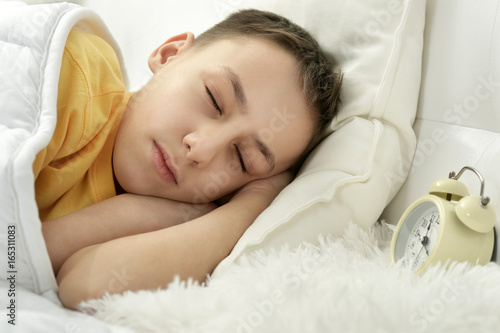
494, 255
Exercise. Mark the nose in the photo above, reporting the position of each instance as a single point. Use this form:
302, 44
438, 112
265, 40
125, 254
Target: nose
203, 146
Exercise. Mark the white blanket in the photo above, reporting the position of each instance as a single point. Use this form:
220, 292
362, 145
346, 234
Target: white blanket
341, 285
32, 40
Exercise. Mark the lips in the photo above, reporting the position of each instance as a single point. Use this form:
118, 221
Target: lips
162, 164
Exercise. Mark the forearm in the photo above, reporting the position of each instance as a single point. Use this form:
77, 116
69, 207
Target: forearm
151, 260
116, 217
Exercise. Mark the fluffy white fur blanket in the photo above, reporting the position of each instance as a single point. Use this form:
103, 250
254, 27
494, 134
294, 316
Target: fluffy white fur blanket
343, 285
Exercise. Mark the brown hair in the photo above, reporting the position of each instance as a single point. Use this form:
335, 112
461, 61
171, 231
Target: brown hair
321, 85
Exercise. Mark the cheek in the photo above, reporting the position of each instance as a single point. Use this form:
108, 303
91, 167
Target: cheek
168, 92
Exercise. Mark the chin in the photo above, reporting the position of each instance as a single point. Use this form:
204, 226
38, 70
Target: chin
129, 183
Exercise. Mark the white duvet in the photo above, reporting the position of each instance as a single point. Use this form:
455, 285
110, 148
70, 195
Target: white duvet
32, 40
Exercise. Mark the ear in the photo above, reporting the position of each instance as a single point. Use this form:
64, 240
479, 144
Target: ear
167, 51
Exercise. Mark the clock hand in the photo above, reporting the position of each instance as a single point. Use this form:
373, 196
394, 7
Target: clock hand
429, 226
417, 256
425, 239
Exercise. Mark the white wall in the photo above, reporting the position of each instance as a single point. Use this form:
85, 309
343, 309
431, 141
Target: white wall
140, 26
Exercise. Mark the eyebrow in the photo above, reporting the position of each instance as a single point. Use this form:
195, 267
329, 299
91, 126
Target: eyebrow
268, 154
241, 100
238, 92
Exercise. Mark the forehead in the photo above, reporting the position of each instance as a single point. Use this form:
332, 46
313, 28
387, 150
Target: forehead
268, 77
251, 55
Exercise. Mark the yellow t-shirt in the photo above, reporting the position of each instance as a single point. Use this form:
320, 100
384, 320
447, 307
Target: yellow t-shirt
75, 170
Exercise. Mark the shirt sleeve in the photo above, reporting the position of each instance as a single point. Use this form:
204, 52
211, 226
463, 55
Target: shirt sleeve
78, 118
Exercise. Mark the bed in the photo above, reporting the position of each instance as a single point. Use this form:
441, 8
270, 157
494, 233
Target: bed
420, 99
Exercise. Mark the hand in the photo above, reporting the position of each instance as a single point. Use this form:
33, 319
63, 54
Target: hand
271, 186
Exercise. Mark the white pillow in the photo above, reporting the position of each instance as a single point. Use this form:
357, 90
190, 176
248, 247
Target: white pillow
355, 172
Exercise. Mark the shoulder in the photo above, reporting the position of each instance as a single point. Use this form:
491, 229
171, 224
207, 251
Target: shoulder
96, 60
90, 88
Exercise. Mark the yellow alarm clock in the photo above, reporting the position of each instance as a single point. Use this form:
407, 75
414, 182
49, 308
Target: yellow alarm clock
445, 225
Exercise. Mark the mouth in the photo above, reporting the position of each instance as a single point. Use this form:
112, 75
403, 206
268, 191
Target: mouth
163, 165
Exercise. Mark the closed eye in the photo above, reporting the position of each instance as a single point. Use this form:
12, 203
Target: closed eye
212, 99
240, 158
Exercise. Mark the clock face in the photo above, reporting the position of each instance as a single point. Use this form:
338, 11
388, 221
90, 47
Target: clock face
418, 235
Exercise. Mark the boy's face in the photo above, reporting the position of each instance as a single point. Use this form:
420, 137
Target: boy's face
211, 120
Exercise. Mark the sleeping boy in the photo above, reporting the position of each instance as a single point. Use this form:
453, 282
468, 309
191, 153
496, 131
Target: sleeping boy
164, 181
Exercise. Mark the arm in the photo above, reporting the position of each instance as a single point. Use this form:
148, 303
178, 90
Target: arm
151, 260
119, 216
